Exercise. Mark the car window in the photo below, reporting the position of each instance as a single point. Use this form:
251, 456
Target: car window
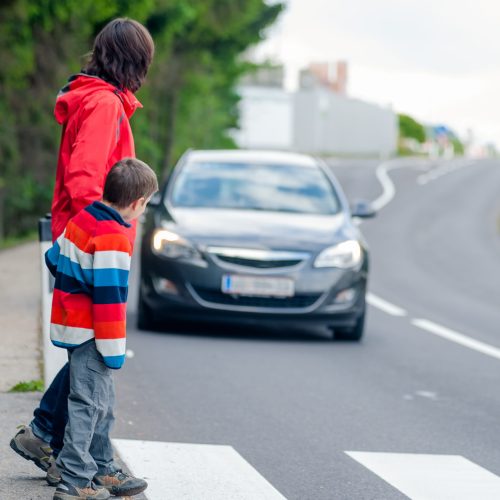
283, 188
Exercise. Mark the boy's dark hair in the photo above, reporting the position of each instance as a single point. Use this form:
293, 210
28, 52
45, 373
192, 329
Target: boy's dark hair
122, 53
127, 181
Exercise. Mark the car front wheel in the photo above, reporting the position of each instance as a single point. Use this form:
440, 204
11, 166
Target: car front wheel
353, 334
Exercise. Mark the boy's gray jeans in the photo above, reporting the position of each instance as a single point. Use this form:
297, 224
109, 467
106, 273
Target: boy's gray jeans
87, 449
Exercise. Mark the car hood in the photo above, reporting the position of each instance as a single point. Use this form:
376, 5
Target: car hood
256, 229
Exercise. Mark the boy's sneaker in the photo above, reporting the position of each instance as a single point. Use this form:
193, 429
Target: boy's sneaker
53, 476
66, 491
30, 447
121, 484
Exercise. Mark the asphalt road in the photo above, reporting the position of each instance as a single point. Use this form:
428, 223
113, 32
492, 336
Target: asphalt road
292, 403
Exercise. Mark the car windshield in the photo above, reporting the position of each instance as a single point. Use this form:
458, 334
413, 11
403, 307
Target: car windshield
282, 188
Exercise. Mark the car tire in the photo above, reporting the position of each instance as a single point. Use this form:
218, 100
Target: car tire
353, 334
145, 316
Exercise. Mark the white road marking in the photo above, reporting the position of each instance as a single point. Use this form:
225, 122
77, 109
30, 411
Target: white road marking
388, 188
387, 185
427, 394
384, 305
432, 477
178, 471
434, 328
442, 170
456, 337
388, 194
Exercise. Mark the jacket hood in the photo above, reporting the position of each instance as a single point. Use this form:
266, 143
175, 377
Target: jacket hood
80, 86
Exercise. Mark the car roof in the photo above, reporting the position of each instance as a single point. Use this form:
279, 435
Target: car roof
251, 156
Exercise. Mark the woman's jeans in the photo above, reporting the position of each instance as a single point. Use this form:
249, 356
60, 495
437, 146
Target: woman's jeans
52, 414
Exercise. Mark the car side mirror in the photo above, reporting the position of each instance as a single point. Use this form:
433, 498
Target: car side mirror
363, 210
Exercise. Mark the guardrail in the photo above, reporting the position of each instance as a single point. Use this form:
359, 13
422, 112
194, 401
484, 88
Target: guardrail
53, 357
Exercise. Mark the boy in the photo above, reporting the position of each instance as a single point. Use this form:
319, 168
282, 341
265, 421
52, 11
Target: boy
91, 262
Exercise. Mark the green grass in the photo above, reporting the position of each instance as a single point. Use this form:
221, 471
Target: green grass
31, 386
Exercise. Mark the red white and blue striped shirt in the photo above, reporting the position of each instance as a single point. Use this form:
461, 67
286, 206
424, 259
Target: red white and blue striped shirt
91, 263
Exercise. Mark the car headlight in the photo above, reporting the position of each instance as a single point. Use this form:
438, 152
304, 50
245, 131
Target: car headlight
345, 255
172, 245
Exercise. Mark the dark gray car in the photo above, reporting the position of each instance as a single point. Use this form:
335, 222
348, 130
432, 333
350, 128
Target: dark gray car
253, 236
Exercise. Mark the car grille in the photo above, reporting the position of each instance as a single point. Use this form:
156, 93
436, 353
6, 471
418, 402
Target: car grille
257, 258
295, 302
260, 264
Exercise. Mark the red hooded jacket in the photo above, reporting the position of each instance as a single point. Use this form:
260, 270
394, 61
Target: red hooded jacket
96, 134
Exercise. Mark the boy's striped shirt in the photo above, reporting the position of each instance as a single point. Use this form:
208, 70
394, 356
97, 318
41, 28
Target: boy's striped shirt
91, 263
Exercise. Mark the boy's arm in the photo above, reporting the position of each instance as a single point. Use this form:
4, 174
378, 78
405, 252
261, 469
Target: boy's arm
52, 256
96, 139
111, 270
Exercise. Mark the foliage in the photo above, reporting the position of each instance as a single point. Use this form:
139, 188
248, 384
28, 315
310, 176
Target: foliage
31, 386
189, 98
409, 128
404, 150
14, 241
458, 147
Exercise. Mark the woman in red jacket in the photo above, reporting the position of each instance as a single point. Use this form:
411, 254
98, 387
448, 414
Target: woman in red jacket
94, 110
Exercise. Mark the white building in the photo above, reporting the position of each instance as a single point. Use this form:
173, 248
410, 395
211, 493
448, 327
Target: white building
266, 118
328, 123
315, 119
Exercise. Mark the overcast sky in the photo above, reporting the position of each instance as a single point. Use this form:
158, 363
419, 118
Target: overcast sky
438, 60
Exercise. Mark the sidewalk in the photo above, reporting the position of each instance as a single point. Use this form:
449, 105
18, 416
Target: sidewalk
20, 357
19, 479
19, 315
19, 361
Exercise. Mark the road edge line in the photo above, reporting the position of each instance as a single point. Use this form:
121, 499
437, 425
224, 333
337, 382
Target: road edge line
384, 305
458, 338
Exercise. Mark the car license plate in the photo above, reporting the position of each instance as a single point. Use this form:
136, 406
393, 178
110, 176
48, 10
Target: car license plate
257, 286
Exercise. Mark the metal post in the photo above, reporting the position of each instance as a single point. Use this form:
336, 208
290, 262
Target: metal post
53, 357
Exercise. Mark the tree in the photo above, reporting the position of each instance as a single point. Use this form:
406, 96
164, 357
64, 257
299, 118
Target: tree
409, 128
203, 66
36, 40
189, 96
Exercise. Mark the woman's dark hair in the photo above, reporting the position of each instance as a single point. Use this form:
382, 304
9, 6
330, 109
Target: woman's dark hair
129, 180
122, 53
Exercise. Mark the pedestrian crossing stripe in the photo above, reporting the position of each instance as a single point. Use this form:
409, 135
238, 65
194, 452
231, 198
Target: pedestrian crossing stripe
182, 471
432, 477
